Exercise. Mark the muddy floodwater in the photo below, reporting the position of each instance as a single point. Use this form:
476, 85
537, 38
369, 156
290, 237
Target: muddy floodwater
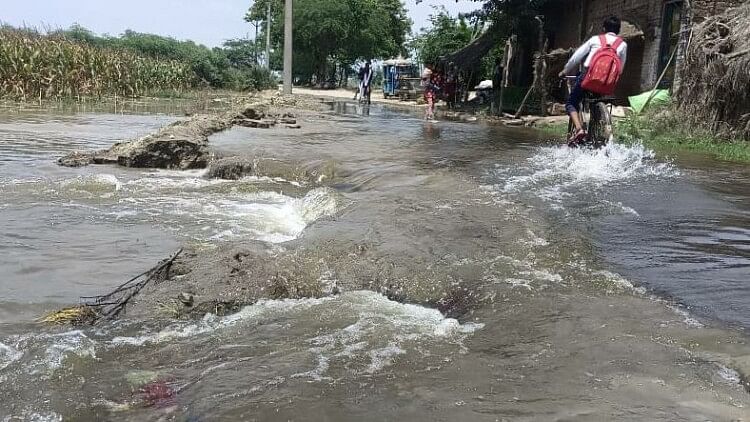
573, 285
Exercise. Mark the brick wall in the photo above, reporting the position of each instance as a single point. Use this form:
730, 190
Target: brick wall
563, 24
646, 16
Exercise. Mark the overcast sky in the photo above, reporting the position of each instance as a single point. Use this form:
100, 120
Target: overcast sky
208, 22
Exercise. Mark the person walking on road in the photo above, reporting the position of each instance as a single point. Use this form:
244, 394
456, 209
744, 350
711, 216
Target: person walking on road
365, 80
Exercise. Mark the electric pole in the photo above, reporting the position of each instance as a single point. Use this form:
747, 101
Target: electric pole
256, 24
268, 36
288, 47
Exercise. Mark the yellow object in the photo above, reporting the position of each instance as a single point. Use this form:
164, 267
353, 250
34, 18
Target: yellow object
76, 315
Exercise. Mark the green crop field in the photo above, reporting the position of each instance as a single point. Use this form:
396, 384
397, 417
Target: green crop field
36, 67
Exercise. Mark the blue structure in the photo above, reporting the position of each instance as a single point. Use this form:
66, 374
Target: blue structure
399, 76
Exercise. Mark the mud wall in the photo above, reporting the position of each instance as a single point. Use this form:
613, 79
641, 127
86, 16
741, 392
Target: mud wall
570, 23
645, 15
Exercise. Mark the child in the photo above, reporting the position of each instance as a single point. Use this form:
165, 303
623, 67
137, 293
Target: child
430, 93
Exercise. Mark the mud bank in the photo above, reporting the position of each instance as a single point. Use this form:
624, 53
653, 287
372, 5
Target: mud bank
183, 145
316, 173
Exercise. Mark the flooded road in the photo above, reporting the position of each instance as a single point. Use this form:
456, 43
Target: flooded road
457, 272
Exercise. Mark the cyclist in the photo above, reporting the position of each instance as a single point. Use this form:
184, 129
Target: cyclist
585, 55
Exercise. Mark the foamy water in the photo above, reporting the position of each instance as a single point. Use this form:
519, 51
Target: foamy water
367, 333
555, 173
190, 205
8, 355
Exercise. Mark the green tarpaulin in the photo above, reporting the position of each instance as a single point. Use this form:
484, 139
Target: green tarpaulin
658, 96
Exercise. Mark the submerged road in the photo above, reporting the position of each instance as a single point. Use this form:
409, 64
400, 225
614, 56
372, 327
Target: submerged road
445, 271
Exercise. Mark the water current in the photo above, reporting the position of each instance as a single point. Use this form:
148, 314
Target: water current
601, 285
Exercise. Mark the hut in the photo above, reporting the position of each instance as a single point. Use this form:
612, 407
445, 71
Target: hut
714, 85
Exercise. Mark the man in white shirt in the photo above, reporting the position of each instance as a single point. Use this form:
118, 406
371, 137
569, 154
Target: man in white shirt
583, 56
365, 79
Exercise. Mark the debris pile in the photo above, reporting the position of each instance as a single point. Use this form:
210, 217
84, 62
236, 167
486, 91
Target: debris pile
714, 90
109, 306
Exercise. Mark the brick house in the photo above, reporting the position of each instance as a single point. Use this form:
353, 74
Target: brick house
651, 29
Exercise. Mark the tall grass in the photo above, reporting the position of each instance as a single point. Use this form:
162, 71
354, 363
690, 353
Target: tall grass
667, 129
35, 66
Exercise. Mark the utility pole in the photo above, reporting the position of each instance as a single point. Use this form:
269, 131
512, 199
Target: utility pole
268, 36
256, 24
288, 47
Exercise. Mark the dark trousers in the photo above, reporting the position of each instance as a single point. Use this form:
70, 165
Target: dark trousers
576, 96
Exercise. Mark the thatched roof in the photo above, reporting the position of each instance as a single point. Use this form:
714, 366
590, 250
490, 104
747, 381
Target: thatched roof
714, 90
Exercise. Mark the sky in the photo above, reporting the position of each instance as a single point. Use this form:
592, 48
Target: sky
207, 22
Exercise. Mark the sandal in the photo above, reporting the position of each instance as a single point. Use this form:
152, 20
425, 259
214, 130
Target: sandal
577, 138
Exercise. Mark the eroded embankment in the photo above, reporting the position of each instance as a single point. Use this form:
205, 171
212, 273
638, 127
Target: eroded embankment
184, 144
560, 338
394, 256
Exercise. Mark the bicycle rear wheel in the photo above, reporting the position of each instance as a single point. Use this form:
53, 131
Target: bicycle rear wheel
600, 125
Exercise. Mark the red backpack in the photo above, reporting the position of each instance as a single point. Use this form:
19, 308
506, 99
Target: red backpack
605, 68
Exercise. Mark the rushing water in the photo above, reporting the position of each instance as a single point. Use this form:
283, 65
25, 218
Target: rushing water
683, 233
589, 272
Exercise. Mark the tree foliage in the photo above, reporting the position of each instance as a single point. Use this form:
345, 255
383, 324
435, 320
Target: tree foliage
232, 66
509, 14
447, 34
339, 31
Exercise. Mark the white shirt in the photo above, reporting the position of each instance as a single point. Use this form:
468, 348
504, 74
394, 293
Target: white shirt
589, 48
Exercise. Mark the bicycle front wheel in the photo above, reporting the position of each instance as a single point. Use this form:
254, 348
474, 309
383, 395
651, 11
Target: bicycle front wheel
600, 126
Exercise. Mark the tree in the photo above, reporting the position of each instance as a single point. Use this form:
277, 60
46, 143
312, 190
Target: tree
446, 35
336, 31
242, 52
232, 66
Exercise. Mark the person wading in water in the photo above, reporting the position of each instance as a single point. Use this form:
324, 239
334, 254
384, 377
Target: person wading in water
430, 93
365, 80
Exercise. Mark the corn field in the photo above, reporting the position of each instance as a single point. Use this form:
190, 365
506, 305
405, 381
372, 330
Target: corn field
36, 67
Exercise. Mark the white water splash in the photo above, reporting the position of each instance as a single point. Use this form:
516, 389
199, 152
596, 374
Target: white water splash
729, 375
8, 355
554, 173
270, 216
103, 185
383, 330
45, 352
64, 344
618, 282
210, 322
192, 206
33, 416
687, 319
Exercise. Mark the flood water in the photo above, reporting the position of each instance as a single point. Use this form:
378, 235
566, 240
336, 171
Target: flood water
603, 285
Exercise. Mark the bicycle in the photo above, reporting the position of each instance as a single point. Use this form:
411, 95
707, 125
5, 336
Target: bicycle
598, 126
